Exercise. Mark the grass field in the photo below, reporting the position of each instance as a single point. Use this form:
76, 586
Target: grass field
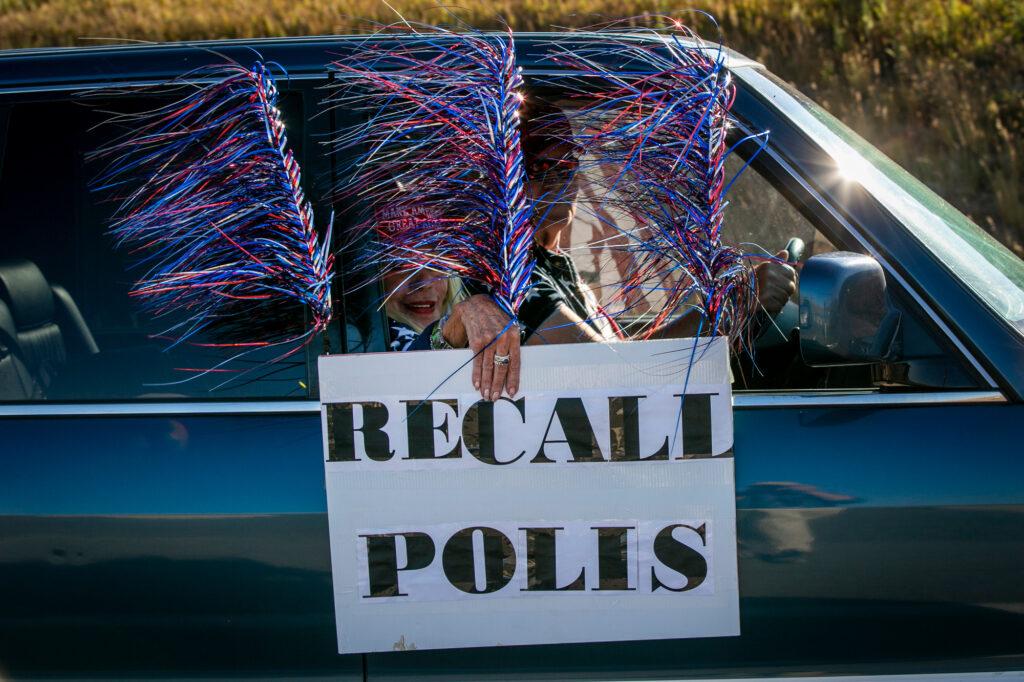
936, 84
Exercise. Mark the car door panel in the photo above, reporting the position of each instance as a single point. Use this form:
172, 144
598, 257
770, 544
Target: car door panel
856, 528
171, 542
841, 520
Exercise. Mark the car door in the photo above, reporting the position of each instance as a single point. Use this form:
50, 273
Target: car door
879, 507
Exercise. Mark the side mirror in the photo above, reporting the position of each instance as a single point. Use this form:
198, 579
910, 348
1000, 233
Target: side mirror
845, 316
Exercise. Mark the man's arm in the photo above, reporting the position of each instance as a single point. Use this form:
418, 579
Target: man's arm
480, 324
565, 326
776, 284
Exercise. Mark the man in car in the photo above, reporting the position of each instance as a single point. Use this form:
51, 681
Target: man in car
560, 307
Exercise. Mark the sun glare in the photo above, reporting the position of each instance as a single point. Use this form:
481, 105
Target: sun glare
852, 167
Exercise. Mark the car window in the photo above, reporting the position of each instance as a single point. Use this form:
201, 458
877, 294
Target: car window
988, 268
366, 329
760, 220
68, 328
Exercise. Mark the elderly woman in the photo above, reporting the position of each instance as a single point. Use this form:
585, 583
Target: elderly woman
415, 299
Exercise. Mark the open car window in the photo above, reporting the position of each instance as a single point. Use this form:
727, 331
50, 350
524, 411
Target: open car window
69, 328
760, 220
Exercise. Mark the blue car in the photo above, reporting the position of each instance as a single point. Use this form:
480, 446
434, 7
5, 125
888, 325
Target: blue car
153, 522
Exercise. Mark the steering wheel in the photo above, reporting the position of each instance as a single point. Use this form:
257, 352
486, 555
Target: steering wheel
777, 332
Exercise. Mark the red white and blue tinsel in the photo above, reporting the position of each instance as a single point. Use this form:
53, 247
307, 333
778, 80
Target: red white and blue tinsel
212, 212
441, 138
654, 108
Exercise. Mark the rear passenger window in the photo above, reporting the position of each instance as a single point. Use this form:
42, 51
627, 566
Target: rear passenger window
69, 330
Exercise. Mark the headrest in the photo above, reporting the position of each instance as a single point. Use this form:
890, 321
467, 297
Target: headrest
7, 328
26, 292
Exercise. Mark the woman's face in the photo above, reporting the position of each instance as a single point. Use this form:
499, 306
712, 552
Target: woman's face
418, 296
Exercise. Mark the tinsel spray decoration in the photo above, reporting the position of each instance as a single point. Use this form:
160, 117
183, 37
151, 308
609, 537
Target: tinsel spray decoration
655, 109
441, 139
212, 211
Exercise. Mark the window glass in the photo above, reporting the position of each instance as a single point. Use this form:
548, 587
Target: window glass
761, 220
68, 328
365, 328
987, 267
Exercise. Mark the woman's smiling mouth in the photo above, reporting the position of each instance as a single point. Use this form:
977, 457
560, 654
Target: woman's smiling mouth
420, 307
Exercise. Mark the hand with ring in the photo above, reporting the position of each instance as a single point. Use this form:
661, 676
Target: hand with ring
479, 323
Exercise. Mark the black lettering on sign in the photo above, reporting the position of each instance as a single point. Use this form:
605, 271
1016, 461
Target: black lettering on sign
541, 566
341, 430
382, 560
613, 558
419, 422
478, 429
624, 423
696, 409
459, 560
579, 434
680, 557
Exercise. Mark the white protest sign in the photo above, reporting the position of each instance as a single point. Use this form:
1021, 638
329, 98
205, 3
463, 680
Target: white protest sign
598, 505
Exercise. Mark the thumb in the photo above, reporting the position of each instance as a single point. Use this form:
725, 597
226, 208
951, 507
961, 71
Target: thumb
783, 255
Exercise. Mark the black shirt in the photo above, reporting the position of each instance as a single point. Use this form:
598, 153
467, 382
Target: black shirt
556, 281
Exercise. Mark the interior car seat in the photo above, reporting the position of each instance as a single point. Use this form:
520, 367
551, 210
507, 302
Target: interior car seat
48, 327
16, 383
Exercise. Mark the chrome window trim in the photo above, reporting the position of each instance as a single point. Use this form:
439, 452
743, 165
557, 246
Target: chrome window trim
752, 400
156, 409
741, 401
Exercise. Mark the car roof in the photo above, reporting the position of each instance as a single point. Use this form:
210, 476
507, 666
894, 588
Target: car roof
63, 68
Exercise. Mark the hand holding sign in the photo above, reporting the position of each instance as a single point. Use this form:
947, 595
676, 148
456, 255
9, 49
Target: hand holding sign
482, 326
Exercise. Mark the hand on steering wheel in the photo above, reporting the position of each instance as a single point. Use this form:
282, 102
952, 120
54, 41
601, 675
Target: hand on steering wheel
776, 284
776, 281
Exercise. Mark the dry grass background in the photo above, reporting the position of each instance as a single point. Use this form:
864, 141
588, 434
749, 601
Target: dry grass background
936, 84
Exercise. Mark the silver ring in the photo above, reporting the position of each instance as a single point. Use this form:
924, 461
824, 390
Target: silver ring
501, 360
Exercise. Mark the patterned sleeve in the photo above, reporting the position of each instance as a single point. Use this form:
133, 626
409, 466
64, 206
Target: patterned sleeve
401, 336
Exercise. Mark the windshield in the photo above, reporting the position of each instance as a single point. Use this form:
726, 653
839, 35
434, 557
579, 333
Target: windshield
987, 267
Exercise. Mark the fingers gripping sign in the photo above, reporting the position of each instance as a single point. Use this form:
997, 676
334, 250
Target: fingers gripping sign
494, 360
494, 339
504, 347
512, 379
